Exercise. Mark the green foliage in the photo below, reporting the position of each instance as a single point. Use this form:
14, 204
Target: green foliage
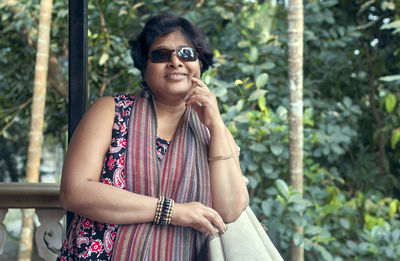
349, 209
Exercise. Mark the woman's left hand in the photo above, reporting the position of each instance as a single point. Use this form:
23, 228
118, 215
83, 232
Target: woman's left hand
204, 102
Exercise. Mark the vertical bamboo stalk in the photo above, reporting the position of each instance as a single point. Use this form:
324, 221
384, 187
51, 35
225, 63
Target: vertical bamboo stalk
295, 44
37, 121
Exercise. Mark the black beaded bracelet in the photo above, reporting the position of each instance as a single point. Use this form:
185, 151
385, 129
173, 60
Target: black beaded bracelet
164, 211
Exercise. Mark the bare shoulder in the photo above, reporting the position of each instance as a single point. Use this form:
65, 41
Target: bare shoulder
103, 105
89, 143
96, 124
101, 110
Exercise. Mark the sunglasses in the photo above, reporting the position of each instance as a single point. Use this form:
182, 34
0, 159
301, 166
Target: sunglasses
162, 55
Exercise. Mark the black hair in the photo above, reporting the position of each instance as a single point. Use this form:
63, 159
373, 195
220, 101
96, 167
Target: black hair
163, 24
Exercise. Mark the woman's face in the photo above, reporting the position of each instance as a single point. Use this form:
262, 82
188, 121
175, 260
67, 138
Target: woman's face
169, 81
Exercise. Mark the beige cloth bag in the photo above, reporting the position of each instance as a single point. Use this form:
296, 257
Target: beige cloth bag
244, 240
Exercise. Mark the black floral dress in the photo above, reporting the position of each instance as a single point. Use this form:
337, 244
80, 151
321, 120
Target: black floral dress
91, 240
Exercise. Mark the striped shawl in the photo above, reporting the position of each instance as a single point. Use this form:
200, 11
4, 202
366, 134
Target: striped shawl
183, 175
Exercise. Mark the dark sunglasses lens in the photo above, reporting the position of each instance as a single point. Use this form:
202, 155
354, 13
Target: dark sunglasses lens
160, 55
187, 54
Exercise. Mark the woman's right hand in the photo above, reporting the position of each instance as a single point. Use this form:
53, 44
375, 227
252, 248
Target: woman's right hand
197, 216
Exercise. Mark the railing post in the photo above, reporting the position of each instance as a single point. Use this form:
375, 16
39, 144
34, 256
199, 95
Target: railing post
77, 66
3, 229
44, 197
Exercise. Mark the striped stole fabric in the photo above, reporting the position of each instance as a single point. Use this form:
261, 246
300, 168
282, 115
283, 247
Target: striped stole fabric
183, 175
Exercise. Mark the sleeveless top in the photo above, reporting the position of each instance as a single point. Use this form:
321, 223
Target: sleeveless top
91, 240
183, 175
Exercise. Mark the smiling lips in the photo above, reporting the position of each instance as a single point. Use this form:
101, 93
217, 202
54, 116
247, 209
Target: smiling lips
176, 76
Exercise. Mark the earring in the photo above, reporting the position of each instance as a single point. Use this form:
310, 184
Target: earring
146, 93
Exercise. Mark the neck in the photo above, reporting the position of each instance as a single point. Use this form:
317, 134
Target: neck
168, 117
169, 109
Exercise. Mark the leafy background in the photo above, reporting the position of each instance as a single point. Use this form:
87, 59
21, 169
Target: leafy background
350, 209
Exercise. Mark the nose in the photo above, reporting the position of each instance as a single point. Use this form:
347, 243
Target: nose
174, 61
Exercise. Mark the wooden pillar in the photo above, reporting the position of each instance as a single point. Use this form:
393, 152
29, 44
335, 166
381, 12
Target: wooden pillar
77, 66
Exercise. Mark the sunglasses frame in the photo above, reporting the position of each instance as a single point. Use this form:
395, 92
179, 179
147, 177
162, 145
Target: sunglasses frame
166, 57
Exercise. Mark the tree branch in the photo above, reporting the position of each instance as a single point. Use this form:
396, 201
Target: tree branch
372, 94
105, 68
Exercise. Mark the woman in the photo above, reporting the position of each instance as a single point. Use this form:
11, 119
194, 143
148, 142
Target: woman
149, 176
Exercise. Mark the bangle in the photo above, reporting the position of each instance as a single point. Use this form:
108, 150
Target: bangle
221, 157
164, 211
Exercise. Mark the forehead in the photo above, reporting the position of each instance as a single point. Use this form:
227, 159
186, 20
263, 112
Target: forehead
171, 40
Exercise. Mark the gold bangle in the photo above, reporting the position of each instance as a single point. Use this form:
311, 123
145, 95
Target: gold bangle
221, 157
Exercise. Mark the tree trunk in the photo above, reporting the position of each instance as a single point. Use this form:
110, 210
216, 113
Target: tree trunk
37, 120
295, 46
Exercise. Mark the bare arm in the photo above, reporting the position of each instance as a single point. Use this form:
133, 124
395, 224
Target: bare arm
228, 188
82, 193
229, 192
81, 190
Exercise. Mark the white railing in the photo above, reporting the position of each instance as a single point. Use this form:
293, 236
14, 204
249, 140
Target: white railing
43, 197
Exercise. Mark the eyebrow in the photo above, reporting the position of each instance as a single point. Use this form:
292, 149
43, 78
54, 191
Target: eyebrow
165, 47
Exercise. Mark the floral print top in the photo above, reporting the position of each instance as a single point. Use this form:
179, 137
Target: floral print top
91, 240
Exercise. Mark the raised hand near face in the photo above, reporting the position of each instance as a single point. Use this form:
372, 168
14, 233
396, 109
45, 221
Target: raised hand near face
204, 102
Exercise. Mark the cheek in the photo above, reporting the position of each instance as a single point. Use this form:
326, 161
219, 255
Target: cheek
151, 71
196, 70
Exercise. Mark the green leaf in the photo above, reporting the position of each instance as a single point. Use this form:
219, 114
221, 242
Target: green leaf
257, 94
262, 103
281, 199
258, 147
282, 112
395, 138
268, 65
365, 5
347, 102
393, 207
307, 118
330, 208
352, 245
238, 82
220, 91
386, 5
337, 149
393, 25
312, 230
282, 188
103, 59
298, 239
325, 254
390, 78
242, 117
267, 168
390, 102
261, 80
345, 223
253, 167
267, 207
253, 54
252, 181
297, 219
300, 205
276, 149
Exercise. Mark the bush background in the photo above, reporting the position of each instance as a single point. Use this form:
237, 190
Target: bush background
351, 112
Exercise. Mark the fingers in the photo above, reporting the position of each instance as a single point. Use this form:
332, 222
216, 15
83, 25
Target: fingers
199, 93
199, 217
204, 102
199, 83
216, 221
199, 98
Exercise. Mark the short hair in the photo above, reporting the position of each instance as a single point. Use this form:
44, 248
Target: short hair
163, 24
